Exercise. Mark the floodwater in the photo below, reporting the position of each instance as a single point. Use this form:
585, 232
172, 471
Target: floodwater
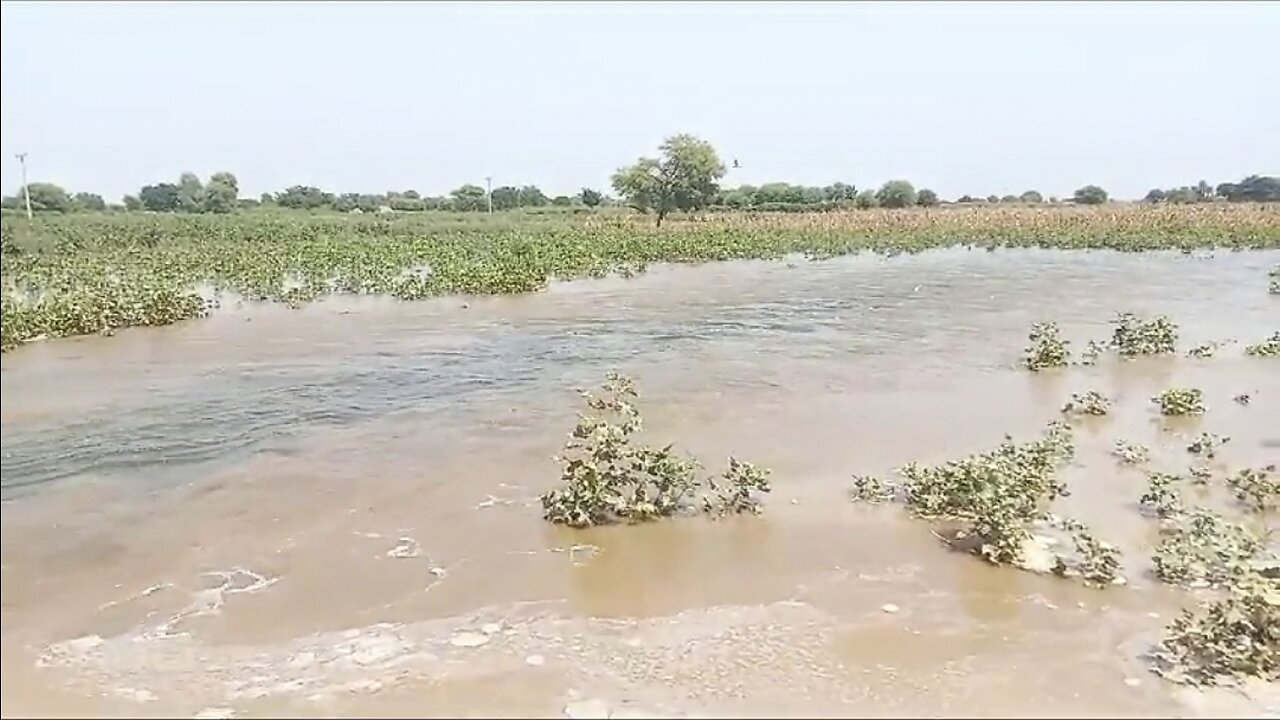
333, 510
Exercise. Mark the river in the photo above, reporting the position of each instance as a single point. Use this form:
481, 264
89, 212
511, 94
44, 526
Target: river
333, 510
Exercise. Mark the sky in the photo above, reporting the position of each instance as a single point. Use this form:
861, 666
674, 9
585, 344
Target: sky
978, 98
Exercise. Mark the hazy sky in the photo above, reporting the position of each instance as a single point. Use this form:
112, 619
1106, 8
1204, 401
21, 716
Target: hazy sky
964, 98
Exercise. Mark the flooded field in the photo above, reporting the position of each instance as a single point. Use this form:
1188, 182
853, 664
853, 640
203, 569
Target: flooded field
334, 510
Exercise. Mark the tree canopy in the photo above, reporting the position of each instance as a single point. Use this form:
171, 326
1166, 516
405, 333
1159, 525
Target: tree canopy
683, 177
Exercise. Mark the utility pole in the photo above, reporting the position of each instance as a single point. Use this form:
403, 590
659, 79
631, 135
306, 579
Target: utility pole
488, 192
26, 192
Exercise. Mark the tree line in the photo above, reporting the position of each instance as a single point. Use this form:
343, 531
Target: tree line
685, 176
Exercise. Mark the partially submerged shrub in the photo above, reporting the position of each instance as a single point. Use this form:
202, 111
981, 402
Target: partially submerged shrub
1204, 350
1180, 401
1131, 453
1207, 444
869, 489
1092, 350
1204, 549
1161, 496
1097, 562
1090, 403
1200, 474
1267, 348
608, 477
1133, 336
1047, 348
1225, 639
1257, 490
997, 495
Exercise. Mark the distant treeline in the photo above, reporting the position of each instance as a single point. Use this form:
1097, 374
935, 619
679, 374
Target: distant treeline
221, 194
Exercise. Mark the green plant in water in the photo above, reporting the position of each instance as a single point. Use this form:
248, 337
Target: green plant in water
1092, 350
1267, 348
1200, 474
608, 477
997, 495
1132, 336
1131, 453
737, 489
1207, 444
1204, 549
1257, 490
1162, 496
1097, 562
870, 489
1180, 401
1225, 639
1204, 350
1090, 403
1047, 348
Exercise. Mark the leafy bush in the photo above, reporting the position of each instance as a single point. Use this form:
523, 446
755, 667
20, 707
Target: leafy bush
1047, 348
1090, 403
608, 477
1134, 336
1180, 401
998, 495
870, 489
1207, 444
1225, 639
1204, 549
1161, 496
1257, 490
1131, 453
1267, 348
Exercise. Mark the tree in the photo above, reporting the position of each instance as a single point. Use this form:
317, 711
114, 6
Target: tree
222, 193
839, 192
866, 200
1155, 195
132, 203
896, 194
1255, 188
966, 199
1090, 195
190, 193
506, 197
303, 197
266, 198
89, 202
469, 198
47, 197
683, 178
562, 201
1009, 199
162, 197
1204, 193
531, 196
1031, 196
590, 197
993, 198
926, 198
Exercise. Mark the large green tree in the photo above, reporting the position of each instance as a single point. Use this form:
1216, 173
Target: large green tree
221, 194
1090, 195
469, 197
87, 201
684, 177
896, 194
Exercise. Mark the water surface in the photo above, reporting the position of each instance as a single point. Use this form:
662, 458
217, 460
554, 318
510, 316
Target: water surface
294, 511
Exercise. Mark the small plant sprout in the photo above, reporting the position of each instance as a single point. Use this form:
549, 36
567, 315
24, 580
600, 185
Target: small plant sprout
1132, 336
1047, 348
1207, 444
1131, 453
1090, 403
1267, 348
1180, 401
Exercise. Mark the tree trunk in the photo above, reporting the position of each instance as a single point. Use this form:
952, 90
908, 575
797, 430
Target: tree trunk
661, 214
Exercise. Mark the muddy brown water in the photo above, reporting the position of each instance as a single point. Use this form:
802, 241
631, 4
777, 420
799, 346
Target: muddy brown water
333, 510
